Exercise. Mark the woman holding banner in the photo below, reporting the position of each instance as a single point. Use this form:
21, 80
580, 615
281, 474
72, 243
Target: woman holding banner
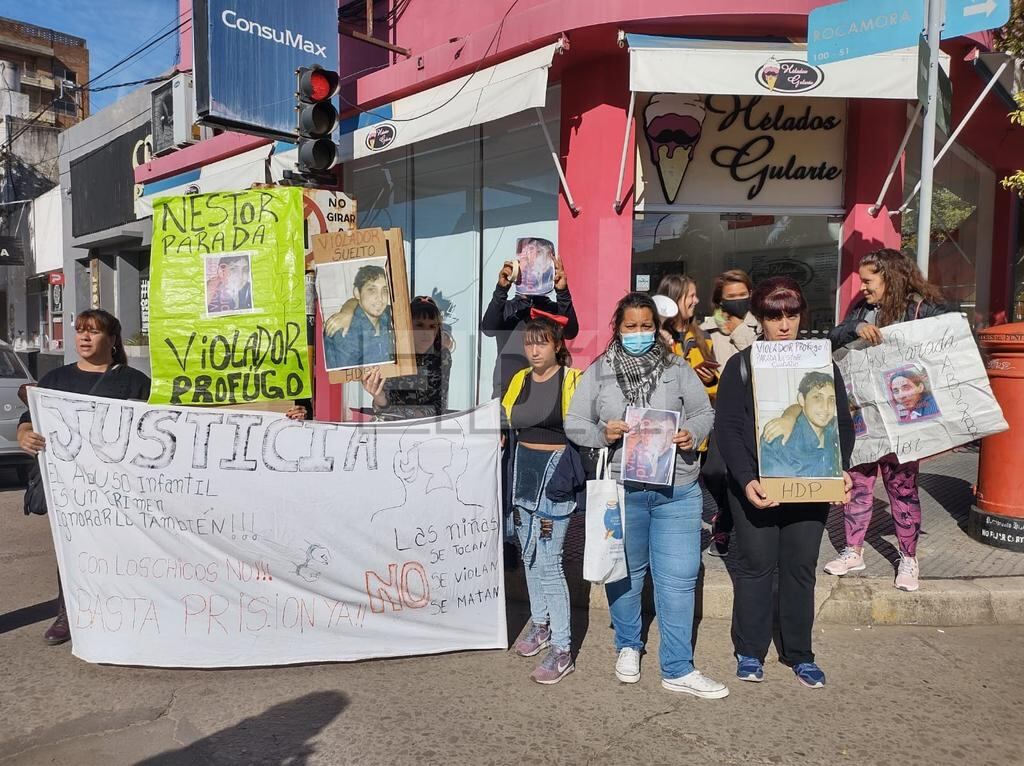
102, 370
662, 523
893, 290
425, 394
534, 405
769, 536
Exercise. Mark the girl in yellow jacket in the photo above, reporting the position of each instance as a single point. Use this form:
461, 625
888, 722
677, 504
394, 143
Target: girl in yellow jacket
534, 405
682, 332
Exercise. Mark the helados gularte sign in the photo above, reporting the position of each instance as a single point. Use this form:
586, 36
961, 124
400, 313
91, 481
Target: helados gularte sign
227, 298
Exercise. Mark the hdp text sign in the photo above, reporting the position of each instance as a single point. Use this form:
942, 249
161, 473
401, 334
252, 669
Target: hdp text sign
194, 537
227, 298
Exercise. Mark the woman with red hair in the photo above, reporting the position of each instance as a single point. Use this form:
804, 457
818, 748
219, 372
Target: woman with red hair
767, 535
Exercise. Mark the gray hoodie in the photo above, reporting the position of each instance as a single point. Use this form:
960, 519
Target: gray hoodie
599, 400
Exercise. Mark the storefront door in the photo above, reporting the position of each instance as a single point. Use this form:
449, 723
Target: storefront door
702, 245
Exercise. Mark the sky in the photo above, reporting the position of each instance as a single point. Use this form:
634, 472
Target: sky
112, 30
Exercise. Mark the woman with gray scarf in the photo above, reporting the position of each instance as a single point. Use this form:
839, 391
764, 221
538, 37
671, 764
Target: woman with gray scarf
662, 523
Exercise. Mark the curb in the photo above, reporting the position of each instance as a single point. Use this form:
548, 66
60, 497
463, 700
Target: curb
845, 601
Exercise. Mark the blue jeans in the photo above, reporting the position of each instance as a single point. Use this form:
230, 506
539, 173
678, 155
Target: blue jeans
662, 534
545, 576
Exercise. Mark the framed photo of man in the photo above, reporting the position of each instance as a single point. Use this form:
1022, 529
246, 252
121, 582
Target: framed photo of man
363, 297
797, 427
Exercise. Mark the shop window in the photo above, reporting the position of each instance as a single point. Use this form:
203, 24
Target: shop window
960, 241
703, 245
462, 200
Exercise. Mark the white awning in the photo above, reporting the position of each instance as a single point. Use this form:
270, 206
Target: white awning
731, 67
498, 91
235, 173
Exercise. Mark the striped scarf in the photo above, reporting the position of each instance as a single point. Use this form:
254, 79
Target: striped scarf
638, 376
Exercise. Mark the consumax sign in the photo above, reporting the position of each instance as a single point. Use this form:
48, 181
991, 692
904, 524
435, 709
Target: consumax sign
740, 152
246, 54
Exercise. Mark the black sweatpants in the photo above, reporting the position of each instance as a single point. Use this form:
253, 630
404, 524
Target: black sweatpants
787, 537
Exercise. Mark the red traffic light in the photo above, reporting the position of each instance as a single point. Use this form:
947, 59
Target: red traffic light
317, 84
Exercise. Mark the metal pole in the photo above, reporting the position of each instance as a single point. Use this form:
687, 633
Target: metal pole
924, 216
956, 132
558, 163
625, 148
874, 209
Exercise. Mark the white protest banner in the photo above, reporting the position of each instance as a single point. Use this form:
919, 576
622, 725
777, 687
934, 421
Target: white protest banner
922, 391
194, 537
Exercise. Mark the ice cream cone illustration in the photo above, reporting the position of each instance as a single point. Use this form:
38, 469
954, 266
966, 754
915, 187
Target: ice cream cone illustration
673, 124
770, 73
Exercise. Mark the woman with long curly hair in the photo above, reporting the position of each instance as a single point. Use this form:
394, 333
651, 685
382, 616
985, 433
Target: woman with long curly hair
893, 290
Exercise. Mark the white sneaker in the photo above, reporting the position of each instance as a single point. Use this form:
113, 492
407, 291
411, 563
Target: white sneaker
849, 561
697, 684
907, 574
627, 666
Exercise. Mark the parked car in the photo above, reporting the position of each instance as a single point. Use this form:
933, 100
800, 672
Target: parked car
13, 375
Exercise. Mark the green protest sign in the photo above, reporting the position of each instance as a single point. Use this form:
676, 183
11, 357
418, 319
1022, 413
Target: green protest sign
227, 298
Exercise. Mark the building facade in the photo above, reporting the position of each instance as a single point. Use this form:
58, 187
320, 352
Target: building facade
654, 136
40, 71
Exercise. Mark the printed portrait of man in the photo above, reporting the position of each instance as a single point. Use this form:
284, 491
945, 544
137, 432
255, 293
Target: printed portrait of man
650, 453
362, 331
812, 449
228, 284
536, 258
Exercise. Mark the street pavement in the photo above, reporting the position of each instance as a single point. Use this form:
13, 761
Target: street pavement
907, 695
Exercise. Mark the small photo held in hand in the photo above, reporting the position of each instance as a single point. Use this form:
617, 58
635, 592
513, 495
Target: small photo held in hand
535, 274
649, 454
909, 392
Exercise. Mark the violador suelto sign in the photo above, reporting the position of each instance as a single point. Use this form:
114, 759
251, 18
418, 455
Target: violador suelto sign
246, 54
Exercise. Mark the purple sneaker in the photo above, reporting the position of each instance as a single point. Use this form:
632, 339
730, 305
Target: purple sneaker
537, 637
556, 666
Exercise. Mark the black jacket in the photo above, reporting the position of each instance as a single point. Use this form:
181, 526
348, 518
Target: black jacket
735, 424
503, 319
846, 331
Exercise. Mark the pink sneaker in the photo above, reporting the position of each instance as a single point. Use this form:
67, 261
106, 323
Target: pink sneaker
907, 574
536, 638
849, 561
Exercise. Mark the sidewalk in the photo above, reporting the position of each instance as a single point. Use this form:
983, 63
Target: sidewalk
962, 581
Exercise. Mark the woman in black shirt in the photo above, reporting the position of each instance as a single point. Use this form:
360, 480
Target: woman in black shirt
534, 405
769, 536
102, 371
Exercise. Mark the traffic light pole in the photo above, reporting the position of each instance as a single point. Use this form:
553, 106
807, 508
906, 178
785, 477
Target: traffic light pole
936, 13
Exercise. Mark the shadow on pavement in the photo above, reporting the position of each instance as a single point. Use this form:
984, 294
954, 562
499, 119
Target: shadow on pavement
28, 615
280, 736
952, 493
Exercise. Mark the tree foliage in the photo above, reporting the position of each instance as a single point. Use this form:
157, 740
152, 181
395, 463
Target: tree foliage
1010, 40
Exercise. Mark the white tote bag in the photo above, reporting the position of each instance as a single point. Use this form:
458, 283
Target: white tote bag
604, 554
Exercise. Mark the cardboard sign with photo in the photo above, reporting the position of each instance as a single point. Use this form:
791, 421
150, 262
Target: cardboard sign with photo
796, 421
364, 304
649, 454
533, 270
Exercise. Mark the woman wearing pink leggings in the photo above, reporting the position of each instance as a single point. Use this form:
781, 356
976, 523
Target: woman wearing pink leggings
892, 290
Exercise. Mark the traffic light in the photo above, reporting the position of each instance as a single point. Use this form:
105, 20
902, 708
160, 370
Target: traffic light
316, 118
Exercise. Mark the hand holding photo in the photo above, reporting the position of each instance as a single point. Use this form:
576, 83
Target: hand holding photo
534, 267
649, 452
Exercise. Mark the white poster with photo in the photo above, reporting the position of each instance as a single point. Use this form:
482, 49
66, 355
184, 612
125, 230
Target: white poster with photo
225, 538
923, 391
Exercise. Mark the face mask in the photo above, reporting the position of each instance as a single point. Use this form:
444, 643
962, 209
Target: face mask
738, 307
638, 343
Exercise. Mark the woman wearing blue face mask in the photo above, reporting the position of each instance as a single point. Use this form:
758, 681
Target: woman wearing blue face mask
662, 522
